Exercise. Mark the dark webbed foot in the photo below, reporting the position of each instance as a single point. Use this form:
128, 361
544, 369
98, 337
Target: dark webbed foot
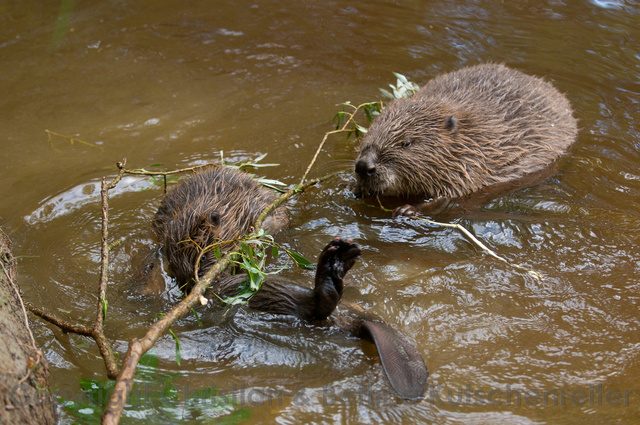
336, 259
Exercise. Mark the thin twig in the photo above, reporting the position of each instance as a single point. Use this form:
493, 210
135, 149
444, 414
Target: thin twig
473, 239
324, 139
482, 246
71, 139
104, 269
142, 171
98, 327
65, 326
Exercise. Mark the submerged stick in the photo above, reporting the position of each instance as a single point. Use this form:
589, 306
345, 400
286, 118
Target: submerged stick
473, 239
71, 139
482, 246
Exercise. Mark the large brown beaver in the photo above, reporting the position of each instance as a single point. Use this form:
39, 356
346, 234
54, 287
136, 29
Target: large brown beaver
216, 204
222, 204
466, 130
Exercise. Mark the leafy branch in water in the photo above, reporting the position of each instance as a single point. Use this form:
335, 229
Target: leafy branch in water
163, 177
371, 110
268, 183
251, 257
403, 88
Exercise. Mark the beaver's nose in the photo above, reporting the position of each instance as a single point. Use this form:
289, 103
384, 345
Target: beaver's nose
365, 166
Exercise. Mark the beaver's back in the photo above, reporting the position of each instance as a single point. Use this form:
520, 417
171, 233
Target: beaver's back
504, 97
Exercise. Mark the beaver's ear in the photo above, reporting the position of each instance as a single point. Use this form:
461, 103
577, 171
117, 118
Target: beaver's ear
451, 123
214, 218
401, 360
205, 222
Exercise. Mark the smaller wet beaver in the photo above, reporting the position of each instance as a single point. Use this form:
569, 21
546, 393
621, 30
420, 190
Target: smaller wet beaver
216, 204
402, 363
464, 131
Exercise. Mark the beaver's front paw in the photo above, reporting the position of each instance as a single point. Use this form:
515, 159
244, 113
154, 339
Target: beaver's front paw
354, 189
338, 257
406, 211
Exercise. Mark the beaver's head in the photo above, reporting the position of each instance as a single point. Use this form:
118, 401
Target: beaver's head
410, 150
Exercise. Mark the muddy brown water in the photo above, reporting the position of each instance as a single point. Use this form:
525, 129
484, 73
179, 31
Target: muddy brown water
178, 82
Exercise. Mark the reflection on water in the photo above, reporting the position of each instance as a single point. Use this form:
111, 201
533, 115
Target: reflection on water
177, 83
73, 199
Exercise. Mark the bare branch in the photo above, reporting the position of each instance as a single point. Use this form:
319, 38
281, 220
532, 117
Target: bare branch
71, 139
143, 172
326, 136
65, 326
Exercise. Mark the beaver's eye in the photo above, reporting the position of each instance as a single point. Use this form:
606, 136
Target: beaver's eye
406, 143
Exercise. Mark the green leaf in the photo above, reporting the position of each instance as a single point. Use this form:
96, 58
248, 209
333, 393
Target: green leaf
169, 392
264, 181
252, 270
274, 251
256, 283
260, 158
177, 345
276, 189
349, 133
370, 110
241, 298
401, 78
300, 261
195, 313
97, 391
263, 165
247, 250
148, 363
386, 93
105, 305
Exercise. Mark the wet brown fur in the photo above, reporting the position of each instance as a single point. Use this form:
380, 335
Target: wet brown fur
216, 204
463, 131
